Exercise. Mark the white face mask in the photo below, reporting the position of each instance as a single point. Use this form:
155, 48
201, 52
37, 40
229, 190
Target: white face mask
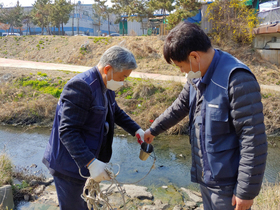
112, 84
193, 75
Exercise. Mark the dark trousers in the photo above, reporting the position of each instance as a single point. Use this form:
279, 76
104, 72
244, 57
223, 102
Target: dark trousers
69, 194
217, 198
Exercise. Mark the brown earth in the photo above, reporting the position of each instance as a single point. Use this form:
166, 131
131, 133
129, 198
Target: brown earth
81, 50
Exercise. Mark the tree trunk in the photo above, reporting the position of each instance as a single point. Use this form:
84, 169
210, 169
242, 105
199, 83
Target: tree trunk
108, 24
62, 29
42, 30
99, 26
142, 27
122, 27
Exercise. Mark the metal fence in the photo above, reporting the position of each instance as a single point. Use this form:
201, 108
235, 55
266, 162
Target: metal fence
270, 17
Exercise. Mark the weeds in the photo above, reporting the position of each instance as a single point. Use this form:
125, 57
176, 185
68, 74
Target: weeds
29, 99
5, 170
28, 181
268, 198
145, 100
105, 40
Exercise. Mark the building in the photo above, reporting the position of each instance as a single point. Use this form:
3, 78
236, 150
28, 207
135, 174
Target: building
82, 21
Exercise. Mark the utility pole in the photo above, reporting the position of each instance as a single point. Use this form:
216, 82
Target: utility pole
78, 19
73, 19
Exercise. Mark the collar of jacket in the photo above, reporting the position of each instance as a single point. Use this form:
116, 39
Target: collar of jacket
209, 73
103, 87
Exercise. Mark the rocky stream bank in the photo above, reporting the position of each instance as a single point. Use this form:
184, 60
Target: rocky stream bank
136, 197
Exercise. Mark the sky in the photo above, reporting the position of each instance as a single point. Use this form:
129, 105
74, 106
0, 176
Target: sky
23, 3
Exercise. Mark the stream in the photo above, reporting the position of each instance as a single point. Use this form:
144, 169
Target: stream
26, 147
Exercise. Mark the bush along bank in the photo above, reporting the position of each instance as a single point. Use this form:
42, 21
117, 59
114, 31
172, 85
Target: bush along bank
29, 97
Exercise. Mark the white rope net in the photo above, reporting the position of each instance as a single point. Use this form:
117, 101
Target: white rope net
98, 199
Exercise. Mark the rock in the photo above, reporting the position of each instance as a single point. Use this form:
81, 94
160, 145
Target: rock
47, 182
26, 197
6, 197
139, 192
132, 191
49, 196
33, 166
164, 187
177, 207
191, 204
158, 205
33, 182
39, 189
193, 196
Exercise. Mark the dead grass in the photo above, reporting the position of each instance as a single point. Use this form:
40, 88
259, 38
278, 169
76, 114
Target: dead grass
143, 103
5, 170
271, 101
145, 100
269, 197
24, 105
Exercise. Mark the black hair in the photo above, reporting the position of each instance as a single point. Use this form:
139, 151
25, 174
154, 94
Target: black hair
182, 40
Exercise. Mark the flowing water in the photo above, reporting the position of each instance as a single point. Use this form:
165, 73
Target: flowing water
26, 147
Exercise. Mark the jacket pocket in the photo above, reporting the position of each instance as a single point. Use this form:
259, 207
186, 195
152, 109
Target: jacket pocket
218, 123
223, 165
219, 136
97, 117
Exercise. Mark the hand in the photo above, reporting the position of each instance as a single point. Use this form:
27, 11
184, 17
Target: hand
240, 203
140, 136
97, 171
148, 137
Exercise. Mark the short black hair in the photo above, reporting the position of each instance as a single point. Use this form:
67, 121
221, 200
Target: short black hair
182, 40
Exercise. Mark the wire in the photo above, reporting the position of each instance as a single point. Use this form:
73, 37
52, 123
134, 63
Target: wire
99, 199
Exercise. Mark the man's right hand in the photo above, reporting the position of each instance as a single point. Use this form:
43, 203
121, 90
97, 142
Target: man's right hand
97, 171
148, 137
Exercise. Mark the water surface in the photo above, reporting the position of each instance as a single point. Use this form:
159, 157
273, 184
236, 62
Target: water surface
173, 160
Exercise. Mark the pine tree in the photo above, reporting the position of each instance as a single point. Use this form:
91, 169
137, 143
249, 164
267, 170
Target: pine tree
60, 13
41, 14
183, 10
163, 6
13, 17
100, 10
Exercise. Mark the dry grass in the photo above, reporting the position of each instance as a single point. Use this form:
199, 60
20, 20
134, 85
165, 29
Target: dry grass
5, 170
148, 53
269, 197
271, 101
145, 100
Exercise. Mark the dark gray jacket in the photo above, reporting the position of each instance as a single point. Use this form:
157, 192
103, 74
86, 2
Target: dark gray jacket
241, 161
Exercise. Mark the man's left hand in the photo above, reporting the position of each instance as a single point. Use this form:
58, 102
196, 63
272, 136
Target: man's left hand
241, 204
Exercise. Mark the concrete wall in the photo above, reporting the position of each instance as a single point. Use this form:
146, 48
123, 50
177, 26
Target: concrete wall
268, 45
136, 26
6, 197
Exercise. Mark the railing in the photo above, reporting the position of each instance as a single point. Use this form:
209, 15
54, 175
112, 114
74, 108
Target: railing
270, 17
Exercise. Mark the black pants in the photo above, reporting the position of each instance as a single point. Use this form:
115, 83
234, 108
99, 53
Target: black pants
69, 194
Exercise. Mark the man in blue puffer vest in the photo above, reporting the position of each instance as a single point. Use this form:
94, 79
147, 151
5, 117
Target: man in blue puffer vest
227, 133
83, 128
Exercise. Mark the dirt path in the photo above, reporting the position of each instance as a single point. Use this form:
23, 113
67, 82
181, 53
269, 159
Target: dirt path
54, 66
